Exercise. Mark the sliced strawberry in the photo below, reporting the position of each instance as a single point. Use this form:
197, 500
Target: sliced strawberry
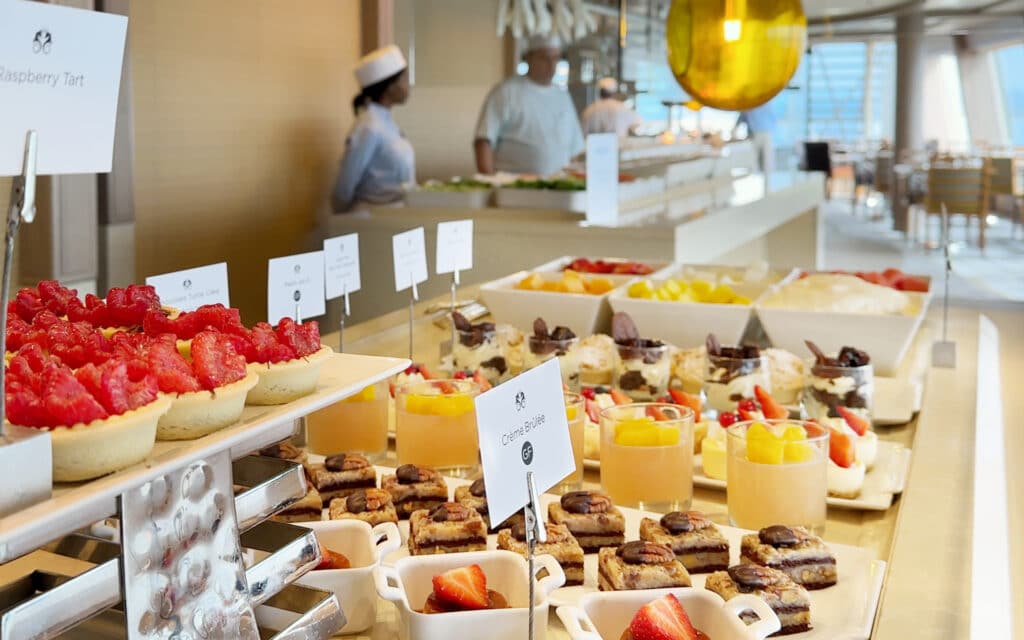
25, 408
27, 304
446, 387
109, 385
593, 411
662, 619
618, 397
482, 381
66, 401
173, 373
770, 407
728, 419
912, 283
657, 414
461, 375
749, 410
266, 347
588, 392
332, 560
304, 339
680, 397
215, 361
426, 373
840, 448
856, 422
465, 587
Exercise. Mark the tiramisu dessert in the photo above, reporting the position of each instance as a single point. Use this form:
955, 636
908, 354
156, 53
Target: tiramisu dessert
561, 545
372, 506
794, 551
474, 496
449, 527
732, 373
695, 540
642, 364
591, 518
308, 508
787, 372
414, 487
639, 565
597, 359
790, 602
341, 474
477, 346
560, 343
846, 380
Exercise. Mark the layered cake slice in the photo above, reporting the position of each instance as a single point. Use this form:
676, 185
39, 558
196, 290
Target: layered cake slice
591, 518
309, 507
475, 497
802, 556
560, 545
639, 565
449, 527
790, 602
341, 474
695, 540
414, 487
372, 506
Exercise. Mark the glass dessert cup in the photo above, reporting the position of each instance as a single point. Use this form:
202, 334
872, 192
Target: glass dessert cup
776, 474
647, 456
575, 413
831, 386
642, 372
481, 348
727, 380
358, 424
540, 350
435, 426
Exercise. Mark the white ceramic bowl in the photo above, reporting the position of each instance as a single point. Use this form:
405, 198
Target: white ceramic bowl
605, 615
585, 314
409, 582
559, 264
365, 547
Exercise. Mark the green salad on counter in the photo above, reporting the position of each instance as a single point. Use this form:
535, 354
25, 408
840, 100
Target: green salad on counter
455, 184
565, 183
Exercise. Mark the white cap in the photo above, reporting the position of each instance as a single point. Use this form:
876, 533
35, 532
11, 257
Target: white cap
543, 41
378, 65
608, 84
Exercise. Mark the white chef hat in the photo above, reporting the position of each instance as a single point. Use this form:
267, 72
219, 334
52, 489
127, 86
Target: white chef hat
608, 84
543, 41
378, 65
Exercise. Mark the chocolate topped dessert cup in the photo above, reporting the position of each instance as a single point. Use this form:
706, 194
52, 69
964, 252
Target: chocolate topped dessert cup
449, 527
477, 346
372, 506
561, 343
695, 540
847, 380
591, 518
640, 565
475, 497
731, 374
793, 550
790, 602
561, 545
414, 487
341, 474
642, 365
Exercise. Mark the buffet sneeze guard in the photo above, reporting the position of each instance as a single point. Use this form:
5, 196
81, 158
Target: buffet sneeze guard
175, 567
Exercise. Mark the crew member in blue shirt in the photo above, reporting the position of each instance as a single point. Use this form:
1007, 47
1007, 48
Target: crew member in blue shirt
378, 159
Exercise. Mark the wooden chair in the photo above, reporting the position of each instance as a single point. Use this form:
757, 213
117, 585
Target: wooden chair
1007, 192
963, 187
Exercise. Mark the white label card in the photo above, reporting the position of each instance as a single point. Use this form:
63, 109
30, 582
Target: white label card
295, 285
410, 255
341, 260
454, 246
60, 71
189, 289
603, 179
522, 427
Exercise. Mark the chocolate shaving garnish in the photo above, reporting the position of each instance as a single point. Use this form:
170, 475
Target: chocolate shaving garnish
346, 462
540, 328
460, 322
408, 474
624, 330
542, 342
450, 512
641, 552
827, 367
778, 535
477, 488
585, 502
472, 335
713, 347
819, 355
751, 576
562, 333
497, 363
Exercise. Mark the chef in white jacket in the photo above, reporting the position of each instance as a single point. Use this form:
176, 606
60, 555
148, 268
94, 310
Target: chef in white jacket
609, 114
527, 124
378, 158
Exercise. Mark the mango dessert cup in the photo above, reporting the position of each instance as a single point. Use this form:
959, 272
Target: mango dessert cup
435, 426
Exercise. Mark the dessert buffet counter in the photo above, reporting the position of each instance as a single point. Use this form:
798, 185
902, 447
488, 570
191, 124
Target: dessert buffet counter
924, 538
773, 219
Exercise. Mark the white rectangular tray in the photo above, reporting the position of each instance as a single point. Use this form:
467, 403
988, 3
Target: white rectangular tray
76, 505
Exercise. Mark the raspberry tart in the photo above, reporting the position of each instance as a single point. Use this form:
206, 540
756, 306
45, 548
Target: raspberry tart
287, 359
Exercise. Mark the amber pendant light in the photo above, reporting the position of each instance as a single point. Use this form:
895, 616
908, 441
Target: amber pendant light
735, 54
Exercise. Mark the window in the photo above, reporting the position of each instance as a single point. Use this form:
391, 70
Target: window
851, 90
1010, 61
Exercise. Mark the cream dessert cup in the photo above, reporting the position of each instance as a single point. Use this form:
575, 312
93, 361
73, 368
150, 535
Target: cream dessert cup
642, 371
728, 380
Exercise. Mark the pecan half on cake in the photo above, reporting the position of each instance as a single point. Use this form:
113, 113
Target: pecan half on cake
560, 545
591, 518
802, 556
449, 527
414, 487
695, 540
373, 506
790, 602
639, 565
475, 496
341, 474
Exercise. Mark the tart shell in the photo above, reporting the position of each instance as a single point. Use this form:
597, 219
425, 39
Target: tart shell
198, 413
282, 382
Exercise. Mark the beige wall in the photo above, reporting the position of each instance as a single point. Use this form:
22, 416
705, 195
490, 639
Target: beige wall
241, 109
457, 57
